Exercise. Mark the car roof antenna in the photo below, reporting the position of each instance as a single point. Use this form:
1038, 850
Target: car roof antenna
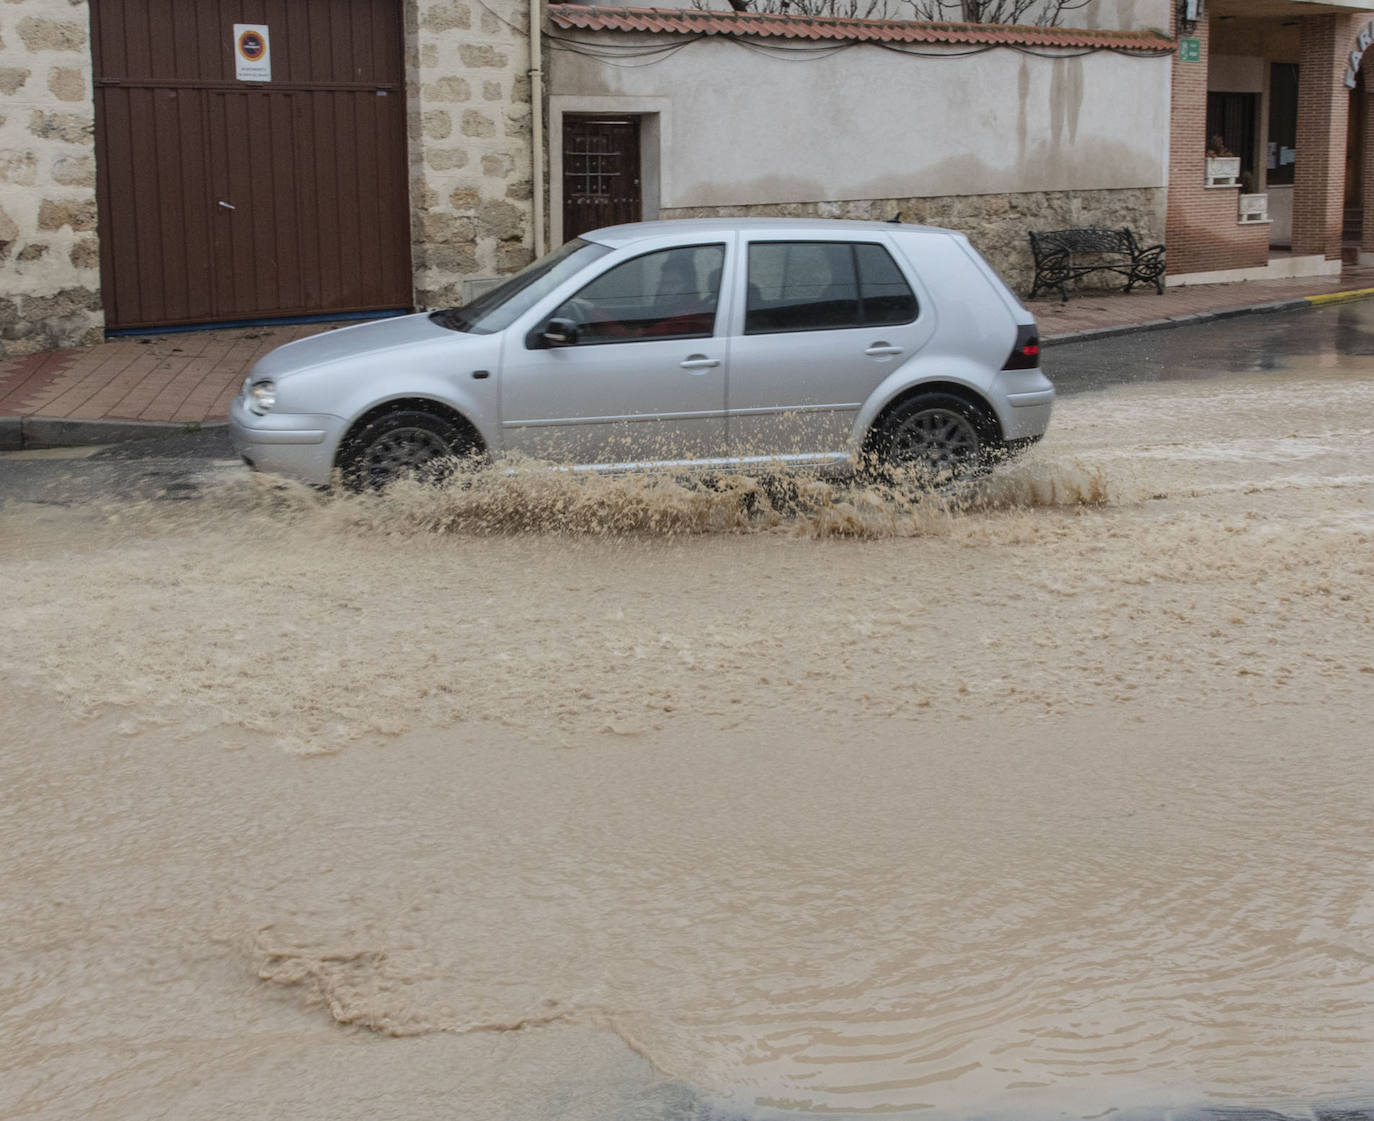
896, 219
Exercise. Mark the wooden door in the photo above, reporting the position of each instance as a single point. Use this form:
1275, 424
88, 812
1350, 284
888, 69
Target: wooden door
223, 199
600, 173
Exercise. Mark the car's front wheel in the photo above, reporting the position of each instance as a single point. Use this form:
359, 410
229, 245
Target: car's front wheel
934, 438
399, 443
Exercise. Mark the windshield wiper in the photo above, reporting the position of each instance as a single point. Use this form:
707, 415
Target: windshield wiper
450, 317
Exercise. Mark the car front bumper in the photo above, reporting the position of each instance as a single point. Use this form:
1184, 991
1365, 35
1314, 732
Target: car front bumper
299, 445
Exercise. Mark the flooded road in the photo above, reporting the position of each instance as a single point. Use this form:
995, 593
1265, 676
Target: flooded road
553, 797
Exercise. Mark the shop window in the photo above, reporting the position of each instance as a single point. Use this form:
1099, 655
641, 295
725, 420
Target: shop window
1231, 131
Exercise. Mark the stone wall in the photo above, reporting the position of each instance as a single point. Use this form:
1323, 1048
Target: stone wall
49, 254
469, 99
997, 225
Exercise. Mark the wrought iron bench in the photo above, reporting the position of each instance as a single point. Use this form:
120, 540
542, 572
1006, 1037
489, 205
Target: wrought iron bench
1064, 255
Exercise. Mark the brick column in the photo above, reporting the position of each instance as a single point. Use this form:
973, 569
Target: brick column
1201, 231
1323, 112
1187, 159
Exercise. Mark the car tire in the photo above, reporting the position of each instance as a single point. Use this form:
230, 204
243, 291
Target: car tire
403, 442
934, 439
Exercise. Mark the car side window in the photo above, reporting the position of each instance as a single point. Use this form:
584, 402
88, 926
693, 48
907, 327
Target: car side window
668, 294
886, 297
824, 285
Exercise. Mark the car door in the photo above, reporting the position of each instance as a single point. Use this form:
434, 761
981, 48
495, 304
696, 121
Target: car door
642, 377
824, 322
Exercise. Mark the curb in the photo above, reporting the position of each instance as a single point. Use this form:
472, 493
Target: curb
1324, 299
1340, 297
26, 433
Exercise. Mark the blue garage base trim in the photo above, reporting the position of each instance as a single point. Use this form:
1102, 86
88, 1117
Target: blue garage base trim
288, 321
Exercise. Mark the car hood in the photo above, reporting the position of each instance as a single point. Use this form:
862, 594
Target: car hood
365, 341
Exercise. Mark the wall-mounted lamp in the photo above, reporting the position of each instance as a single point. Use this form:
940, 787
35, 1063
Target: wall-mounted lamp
1189, 13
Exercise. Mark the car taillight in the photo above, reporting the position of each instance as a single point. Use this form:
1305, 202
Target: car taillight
1025, 355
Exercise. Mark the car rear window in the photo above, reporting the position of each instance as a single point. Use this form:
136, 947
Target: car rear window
824, 285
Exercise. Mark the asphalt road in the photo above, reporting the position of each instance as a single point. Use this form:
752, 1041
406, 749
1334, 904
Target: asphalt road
172, 467
1220, 348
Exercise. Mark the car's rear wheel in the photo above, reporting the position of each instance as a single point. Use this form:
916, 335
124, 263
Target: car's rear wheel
400, 443
933, 439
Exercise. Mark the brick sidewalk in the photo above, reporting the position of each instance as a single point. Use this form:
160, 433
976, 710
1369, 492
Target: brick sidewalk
187, 378
191, 378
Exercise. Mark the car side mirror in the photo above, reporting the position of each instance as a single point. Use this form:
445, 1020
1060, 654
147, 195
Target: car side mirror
559, 332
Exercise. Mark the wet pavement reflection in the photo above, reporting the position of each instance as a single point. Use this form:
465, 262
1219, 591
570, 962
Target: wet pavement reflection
1337, 337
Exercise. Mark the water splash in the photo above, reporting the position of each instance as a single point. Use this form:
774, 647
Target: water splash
526, 497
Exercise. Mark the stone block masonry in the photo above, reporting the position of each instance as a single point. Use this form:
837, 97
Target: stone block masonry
49, 252
997, 225
469, 96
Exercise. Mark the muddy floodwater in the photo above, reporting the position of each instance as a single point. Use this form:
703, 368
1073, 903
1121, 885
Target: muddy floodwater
604, 799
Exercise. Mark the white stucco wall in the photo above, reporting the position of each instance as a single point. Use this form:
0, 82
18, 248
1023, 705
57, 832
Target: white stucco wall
740, 127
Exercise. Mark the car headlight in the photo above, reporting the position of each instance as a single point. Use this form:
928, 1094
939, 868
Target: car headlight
262, 395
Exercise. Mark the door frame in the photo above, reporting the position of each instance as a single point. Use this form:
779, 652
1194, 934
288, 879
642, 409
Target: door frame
654, 139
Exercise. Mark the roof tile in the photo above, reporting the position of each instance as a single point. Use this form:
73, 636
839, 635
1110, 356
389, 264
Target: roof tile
586, 17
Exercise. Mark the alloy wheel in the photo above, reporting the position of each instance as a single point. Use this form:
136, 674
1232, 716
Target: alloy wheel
402, 451
940, 443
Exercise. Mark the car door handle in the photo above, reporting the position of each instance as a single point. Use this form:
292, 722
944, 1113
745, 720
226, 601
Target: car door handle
700, 362
878, 350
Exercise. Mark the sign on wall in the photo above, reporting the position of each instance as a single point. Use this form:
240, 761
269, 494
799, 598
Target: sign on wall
252, 53
1363, 41
1190, 50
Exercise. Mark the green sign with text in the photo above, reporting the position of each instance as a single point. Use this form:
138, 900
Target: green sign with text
1190, 50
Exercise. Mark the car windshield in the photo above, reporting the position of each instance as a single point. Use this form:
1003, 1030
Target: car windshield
498, 308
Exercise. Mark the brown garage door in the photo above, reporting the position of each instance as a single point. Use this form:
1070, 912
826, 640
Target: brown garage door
222, 199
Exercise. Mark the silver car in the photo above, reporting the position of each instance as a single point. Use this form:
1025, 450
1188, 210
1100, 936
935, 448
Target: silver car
719, 343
